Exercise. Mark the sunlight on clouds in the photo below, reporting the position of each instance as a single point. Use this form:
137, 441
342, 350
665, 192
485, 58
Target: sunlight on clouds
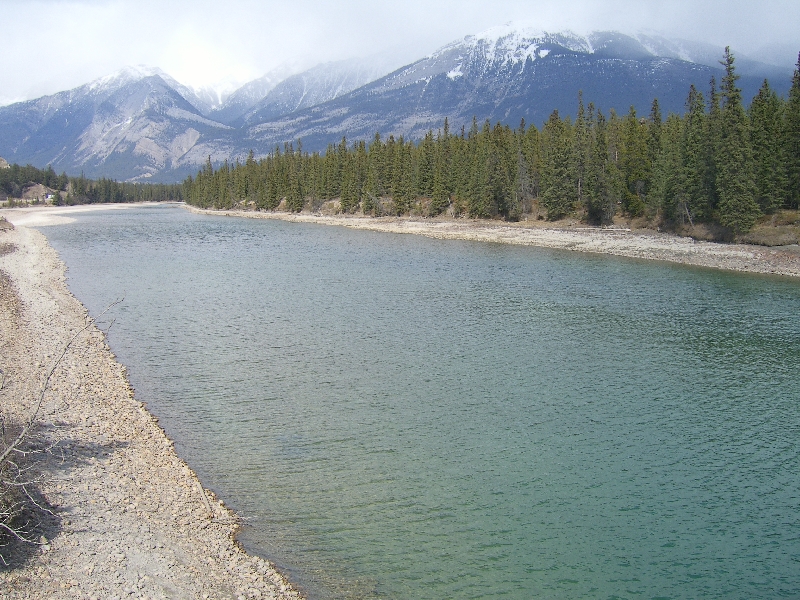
193, 60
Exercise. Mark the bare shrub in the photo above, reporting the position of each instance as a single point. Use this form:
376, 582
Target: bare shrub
21, 443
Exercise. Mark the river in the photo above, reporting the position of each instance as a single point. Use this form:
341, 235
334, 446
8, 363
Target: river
401, 417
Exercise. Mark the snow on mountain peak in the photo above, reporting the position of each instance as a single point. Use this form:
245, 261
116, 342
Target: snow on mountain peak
513, 43
124, 76
514, 31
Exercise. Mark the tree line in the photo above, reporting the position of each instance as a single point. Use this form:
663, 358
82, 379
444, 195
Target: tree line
717, 163
80, 190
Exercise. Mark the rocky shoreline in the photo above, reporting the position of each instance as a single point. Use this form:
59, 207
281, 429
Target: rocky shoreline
123, 516
640, 244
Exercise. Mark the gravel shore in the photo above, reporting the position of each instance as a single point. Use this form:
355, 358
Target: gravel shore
127, 517
642, 244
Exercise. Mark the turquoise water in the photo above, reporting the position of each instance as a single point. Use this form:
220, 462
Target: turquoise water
401, 417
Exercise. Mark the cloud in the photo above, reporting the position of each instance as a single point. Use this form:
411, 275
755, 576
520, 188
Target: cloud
50, 45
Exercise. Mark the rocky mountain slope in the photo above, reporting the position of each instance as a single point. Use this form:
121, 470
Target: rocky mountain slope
316, 86
506, 75
142, 124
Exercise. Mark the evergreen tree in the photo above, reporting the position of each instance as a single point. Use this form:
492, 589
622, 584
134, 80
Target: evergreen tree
502, 173
737, 206
440, 196
349, 188
669, 171
654, 139
404, 188
695, 202
766, 125
293, 183
581, 151
711, 149
426, 163
635, 164
600, 197
558, 178
479, 193
791, 140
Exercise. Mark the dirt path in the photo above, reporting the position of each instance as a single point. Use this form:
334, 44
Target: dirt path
129, 517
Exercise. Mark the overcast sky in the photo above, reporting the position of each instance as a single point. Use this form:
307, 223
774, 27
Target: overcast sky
52, 45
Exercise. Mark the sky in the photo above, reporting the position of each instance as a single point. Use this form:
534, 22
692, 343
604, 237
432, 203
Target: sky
54, 45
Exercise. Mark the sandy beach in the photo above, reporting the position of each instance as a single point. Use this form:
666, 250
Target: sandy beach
123, 515
36, 216
640, 244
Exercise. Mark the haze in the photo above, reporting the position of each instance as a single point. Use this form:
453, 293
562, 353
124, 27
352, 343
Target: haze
53, 45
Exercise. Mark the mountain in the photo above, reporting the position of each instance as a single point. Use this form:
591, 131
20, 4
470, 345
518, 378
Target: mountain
142, 124
710, 56
318, 85
247, 96
130, 125
507, 74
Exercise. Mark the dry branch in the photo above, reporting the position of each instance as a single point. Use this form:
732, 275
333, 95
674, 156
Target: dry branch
15, 465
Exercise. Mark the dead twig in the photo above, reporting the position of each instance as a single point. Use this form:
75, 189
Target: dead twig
15, 481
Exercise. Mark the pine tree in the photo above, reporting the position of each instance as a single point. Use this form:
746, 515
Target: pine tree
558, 178
668, 176
711, 149
791, 140
502, 173
581, 151
635, 164
404, 188
293, 185
653, 147
440, 196
530, 148
737, 206
654, 135
695, 202
766, 124
479, 200
600, 197
349, 194
426, 163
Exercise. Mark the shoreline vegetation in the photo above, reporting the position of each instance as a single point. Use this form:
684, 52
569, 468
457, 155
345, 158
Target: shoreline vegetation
113, 510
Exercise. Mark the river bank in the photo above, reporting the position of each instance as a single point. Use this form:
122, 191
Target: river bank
122, 514
640, 244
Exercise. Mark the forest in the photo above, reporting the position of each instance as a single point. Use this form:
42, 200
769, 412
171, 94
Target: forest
80, 190
720, 162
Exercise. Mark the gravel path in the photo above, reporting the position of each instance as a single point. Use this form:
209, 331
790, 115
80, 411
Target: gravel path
129, 517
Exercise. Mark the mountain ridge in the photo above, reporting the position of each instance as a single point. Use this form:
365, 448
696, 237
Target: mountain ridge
141, 124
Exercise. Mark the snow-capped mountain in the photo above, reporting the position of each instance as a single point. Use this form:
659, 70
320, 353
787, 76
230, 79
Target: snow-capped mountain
211, 98
239, 101
315, 86
141, 123
132, 124
506, 74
